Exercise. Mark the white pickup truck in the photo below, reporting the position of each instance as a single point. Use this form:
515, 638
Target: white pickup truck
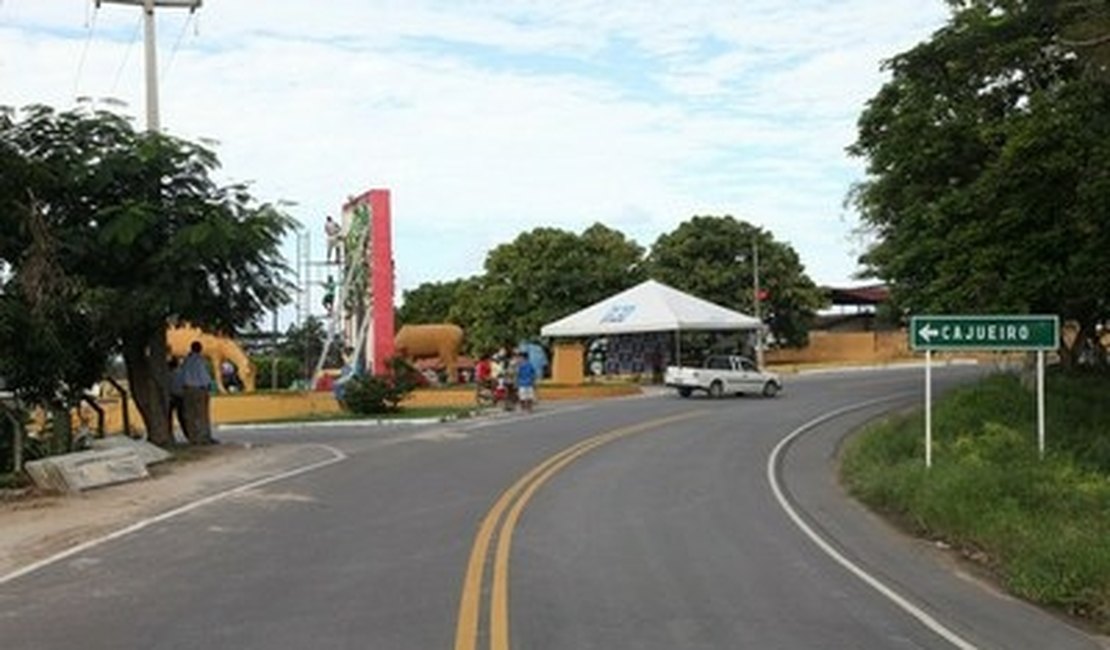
723, 375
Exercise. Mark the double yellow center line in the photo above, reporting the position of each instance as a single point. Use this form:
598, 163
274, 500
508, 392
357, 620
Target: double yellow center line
496, 521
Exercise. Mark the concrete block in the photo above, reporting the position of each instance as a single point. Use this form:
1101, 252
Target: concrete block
45, 475
85, 470
150, 454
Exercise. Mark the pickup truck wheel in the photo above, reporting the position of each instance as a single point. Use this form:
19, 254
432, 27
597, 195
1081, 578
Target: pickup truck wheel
770, 389
685, 392
716, 390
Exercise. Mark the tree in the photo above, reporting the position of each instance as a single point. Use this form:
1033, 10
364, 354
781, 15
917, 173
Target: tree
140, 223
541, 276
469, 311
305, 341
51, 350
1085, 29
712, 258
987, 185
428, 303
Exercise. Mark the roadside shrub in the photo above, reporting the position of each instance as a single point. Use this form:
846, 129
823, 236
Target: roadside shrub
1041, 525
370, 395
373, 394
406, 377
7, 444
289, 370
1079, 415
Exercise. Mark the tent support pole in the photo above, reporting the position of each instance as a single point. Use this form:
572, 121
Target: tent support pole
678, 347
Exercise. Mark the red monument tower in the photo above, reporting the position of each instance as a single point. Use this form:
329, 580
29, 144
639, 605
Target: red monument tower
374, 318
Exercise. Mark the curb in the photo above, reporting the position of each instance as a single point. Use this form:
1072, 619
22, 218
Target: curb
887, 366
333, 424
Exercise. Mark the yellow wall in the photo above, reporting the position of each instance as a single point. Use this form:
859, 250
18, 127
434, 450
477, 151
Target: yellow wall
839, 347
261, 407
226, 409
568, 364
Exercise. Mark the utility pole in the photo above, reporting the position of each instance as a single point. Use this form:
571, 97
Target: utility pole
152, 122
755, 301
743, 257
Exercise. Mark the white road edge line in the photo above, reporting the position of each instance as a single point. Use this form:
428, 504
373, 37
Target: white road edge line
772, 462
337, 456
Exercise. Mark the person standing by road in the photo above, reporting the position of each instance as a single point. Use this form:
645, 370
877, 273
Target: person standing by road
483, 379
197, 386
525, 381
177, 398
507, 381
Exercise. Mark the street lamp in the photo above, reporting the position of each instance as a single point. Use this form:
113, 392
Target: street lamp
755, 300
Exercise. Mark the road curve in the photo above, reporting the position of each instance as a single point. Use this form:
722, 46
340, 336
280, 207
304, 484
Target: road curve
677, 540
641, 523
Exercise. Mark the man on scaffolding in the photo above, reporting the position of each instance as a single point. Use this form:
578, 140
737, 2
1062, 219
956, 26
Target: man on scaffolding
329, 295
334, 234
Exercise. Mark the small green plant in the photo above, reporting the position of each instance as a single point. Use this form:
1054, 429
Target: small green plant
13, 421
373, 394
369, 395
405, 376
289, 370
7, 444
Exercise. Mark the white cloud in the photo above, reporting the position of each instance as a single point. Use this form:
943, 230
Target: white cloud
489, 118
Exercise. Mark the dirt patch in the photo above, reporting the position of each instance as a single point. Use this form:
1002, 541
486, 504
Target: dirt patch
34, 526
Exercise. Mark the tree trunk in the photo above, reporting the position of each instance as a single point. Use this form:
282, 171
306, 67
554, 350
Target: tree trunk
61, 430
1086, 350
148, 375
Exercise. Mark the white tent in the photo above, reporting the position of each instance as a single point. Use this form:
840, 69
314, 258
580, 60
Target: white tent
649, 307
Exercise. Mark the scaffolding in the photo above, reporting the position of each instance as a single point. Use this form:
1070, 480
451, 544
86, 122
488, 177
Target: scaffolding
312, 274
359, 306
347, 321
304, 276
352, 300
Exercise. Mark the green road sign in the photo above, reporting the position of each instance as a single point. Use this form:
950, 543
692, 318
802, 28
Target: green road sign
984, 332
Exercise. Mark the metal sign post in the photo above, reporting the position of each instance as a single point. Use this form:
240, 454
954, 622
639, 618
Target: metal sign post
1040, 402
983, 333
928, 408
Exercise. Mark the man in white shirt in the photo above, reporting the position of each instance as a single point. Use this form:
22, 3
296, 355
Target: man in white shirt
334, 234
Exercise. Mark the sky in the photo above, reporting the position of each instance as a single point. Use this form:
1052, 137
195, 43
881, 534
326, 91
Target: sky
486, 119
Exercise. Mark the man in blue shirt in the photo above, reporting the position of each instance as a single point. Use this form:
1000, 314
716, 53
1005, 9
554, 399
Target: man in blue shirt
525, 381
197, 384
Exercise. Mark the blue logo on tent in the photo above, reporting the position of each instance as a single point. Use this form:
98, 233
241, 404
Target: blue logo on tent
618, 313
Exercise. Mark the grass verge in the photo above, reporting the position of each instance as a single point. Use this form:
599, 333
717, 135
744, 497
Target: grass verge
1042, 526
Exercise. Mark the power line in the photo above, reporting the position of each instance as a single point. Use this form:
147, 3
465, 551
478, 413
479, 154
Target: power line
126, 55
151, 63
177, 44
90, 26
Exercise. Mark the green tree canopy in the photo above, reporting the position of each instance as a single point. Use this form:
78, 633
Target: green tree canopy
138, 222
987, 183
430, 302
51, 346
713, 257
542, 276
1085, 29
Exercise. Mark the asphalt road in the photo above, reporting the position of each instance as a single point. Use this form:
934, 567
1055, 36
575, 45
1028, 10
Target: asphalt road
650, 523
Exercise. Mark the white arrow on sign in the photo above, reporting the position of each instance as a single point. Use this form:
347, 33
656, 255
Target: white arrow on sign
928, 332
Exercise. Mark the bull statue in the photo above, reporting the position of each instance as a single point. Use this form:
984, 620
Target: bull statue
217, 349
441, 340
